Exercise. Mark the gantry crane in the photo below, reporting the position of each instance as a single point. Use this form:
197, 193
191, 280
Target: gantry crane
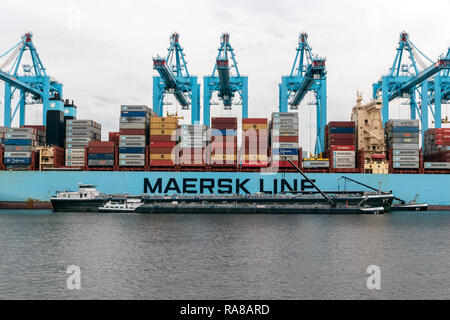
440, 92
407, 80
174, 78
225, 83
308, 74
33, 83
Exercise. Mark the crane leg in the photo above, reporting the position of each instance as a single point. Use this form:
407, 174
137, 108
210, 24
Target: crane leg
437, 102
424, 107
22, 108
7, 111
244, 98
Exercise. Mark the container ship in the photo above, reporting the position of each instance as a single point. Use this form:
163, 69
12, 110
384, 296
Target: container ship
153, 154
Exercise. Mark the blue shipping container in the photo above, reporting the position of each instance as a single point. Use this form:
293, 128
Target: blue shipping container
133, 114
101, 156
17, 160
292, 152
223, 132
342, 130
17, 142
405, 129
132, 150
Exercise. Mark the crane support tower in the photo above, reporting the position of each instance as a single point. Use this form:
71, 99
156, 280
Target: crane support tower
440, 91
224, 82
308, 74
409, 80
32, 83
174, 78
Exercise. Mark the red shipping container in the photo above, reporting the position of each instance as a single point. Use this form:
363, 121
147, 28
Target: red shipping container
254, 149
223, 120
336, 124
114, 136
259, 164
284, 164
224, 126
222, 139
162, 163
341, 142
42, 128
291, 139
444, 137
441, 142
162, 150
191, 151
156, 144
161, 138
133, 132
440, 130
254, 121
101, 150
101, 144
223, 145
343, 148
342, 136
254, 139
255, 132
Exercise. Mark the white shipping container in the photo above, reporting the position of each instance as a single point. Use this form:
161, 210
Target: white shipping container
17, 154
131, 156
133, 138
316, 164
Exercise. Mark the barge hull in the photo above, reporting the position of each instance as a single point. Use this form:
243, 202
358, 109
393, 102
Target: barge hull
33, 189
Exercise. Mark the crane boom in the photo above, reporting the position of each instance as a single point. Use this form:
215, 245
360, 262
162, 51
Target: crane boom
174, 78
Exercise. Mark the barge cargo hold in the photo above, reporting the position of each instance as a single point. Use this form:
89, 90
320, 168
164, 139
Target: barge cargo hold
21, 187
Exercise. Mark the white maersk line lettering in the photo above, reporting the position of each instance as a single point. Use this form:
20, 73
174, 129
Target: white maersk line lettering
221, 186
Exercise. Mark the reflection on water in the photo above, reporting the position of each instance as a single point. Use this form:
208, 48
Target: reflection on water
128, 256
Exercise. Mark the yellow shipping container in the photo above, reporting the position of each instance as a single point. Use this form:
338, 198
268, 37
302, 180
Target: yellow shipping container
254, 157
260, 126
163, 132
164, 125
163, 119
223, 157
160, 156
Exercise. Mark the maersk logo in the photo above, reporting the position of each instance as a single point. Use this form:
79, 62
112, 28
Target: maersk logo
223, 186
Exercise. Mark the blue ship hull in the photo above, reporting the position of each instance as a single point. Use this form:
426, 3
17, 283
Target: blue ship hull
21, 186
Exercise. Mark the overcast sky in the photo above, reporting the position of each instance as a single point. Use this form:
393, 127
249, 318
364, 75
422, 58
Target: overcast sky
102, 50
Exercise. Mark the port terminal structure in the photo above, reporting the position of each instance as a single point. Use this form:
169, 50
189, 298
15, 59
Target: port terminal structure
412, 79
308, 74
174, 78
225, 82
32, 83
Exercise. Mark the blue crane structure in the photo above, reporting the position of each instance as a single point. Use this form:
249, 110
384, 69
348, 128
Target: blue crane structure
33, 83
174, 78
308, 74
225, 83
406, 80
440, 90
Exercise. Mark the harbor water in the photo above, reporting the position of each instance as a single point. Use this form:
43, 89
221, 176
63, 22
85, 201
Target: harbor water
129, 256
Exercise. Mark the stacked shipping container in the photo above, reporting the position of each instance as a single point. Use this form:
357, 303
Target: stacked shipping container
223, 142
255, 142
163, 140
78, 135
341, 144
134, 129
403, 143
284, 139
437, 148
194, 145
20, 146
101, 154
3, 131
